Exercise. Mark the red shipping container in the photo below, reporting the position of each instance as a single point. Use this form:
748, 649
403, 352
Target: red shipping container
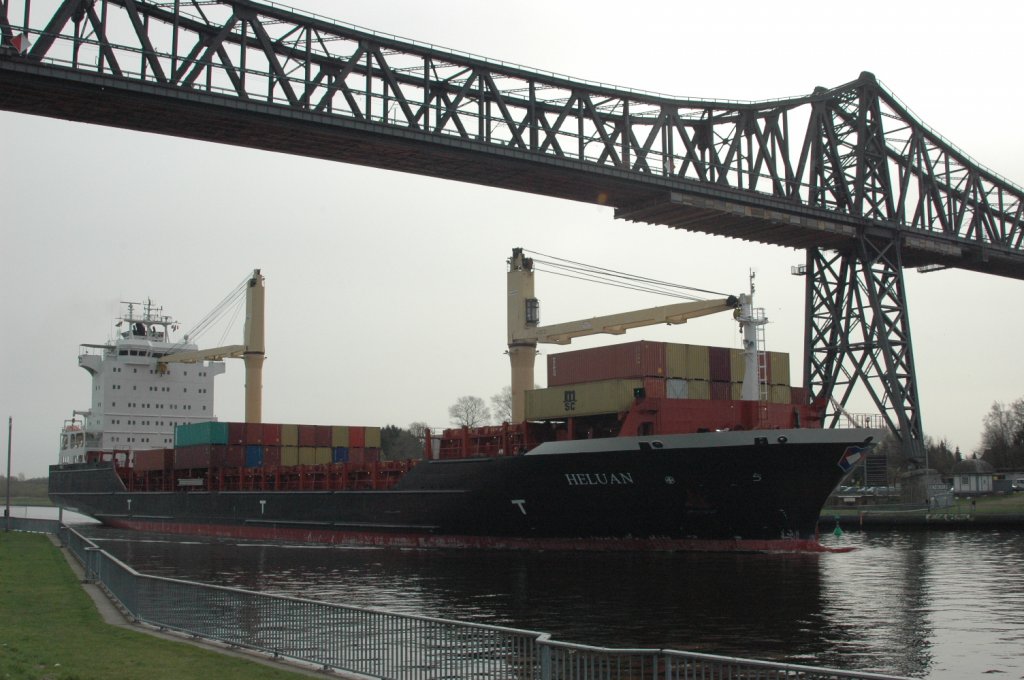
307, 435
229, 456
362, 456
271, 434
253, 433
356, 436
654, 388
640, 359
721, 390
271, 456
720, 366
157, 459
197, 456
323, 435
799, 395
236, 433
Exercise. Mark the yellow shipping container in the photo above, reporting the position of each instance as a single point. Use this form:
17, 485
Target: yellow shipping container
581, 399
307, 455
289, 456
780, 394
779, 362
677, 388
687, 361
339, 435
373, 437
322, 455
736, 390
737, 364
290, 435
698, 389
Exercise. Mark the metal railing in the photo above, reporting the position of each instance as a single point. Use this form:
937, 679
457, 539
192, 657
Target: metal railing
387, 645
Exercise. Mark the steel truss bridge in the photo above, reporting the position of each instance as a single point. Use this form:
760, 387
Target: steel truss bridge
846, 174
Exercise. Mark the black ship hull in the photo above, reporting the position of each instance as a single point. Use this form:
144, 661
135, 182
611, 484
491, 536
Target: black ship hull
751, 490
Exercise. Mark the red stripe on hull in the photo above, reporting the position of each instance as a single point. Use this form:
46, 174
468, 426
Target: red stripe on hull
411, 540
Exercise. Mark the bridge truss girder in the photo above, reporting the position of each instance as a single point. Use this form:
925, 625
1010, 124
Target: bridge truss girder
857, 334
807, 171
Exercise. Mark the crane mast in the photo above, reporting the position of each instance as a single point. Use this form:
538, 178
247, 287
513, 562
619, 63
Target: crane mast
252, 350
524, 331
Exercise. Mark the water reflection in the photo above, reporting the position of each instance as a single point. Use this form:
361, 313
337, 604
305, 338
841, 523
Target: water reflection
939, 605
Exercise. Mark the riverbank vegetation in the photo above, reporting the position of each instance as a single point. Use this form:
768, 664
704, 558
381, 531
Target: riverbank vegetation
25, 491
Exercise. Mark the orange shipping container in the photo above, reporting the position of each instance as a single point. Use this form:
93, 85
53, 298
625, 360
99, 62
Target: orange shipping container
356, 436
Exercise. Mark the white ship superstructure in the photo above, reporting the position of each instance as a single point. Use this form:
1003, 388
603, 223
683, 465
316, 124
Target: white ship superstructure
136, 401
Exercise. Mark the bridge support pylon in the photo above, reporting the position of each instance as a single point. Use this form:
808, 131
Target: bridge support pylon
857, 334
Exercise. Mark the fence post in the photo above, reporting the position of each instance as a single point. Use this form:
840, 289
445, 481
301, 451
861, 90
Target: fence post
91, 554
545, 660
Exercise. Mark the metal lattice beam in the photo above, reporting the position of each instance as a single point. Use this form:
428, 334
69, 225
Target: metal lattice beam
810, 171
858, 335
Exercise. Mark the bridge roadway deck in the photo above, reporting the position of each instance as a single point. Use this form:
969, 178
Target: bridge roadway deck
46, 90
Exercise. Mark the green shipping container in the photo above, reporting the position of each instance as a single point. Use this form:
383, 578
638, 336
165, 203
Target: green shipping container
581, 399
372, 438
307, 455
322, 455
197, 434
290, 435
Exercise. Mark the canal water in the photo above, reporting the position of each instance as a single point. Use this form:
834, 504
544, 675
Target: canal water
940, 605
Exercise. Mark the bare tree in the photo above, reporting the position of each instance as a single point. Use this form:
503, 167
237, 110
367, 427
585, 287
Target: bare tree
469, 412
501, 404
418, 429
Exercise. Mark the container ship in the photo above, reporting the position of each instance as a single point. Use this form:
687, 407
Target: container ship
635, 446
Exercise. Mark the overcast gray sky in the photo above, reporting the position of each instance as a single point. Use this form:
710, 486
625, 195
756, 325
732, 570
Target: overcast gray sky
386, 292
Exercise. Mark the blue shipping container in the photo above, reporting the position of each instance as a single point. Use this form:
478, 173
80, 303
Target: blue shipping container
254, 456
339, 454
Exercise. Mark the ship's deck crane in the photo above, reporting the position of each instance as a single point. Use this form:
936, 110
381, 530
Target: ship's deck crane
252, 351
524, 333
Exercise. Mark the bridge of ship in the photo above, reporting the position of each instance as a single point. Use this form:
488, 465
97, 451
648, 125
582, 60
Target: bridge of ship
847, 173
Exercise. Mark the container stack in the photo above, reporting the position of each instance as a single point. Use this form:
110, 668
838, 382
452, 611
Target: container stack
258, 445
607, 379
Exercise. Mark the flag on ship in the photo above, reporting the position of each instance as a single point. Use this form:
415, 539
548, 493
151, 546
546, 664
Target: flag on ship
852, 456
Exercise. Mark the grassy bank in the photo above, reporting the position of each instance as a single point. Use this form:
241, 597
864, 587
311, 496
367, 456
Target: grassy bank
1007, 504
50, 629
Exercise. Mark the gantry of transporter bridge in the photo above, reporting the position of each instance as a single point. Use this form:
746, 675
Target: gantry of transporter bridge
846, 174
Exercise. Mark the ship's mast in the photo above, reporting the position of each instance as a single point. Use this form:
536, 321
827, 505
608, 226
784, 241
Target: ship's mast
752, 322
254, 353
252, 349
